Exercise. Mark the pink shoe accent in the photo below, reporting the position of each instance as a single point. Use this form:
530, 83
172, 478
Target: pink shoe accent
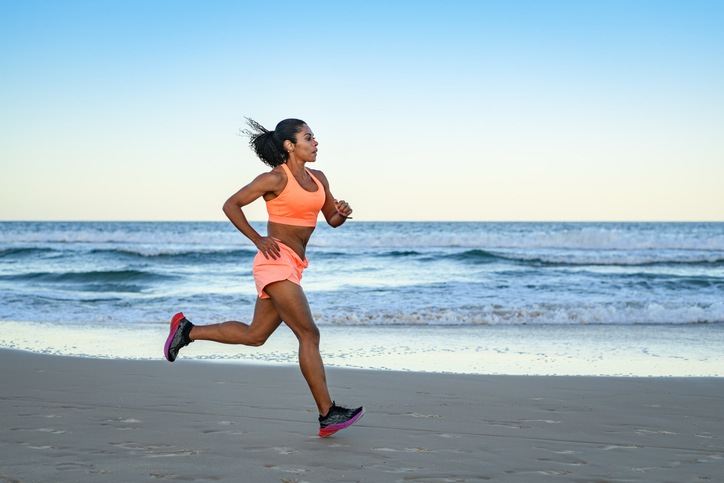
174, 326
333, 428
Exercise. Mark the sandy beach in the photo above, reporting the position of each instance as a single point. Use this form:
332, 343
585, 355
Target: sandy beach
82, 419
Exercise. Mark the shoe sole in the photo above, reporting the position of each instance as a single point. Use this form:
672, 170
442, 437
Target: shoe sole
333, 428
174, 327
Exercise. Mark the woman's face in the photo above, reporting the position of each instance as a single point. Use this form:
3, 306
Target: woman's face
306, 147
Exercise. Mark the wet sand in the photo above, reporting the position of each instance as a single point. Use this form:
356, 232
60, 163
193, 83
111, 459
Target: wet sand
97, 420
683, 350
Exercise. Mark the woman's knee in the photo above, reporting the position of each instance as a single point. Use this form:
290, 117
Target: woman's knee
256, 340
308, 333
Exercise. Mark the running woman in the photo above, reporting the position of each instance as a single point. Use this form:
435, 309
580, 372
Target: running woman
294, 197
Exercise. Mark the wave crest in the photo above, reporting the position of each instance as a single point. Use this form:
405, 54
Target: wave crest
603, 314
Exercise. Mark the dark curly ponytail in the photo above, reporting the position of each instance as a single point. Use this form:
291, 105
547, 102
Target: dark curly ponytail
269, 145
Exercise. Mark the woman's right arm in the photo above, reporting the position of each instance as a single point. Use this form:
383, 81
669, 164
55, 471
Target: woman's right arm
262, 184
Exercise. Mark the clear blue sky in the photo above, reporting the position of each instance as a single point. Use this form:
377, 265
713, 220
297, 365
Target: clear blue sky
424, 110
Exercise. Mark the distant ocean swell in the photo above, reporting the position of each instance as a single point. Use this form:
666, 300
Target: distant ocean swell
586, 238
597, 257
372, 273
548, 256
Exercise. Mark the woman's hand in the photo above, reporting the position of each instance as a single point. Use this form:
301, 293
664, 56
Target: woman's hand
343, 208
268, 247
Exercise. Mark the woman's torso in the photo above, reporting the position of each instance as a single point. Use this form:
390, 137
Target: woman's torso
295, 237
293, 212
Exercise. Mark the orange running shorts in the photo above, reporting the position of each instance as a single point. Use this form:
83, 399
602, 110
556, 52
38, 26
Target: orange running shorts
287, 266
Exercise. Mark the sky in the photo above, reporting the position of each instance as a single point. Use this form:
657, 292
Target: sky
424, 110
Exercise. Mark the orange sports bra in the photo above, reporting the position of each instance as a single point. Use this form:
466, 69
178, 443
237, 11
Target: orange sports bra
295, 205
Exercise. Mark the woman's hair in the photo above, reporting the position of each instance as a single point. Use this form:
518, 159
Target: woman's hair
269, 145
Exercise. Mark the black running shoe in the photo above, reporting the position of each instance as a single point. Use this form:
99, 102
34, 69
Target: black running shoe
179, 336
338, 418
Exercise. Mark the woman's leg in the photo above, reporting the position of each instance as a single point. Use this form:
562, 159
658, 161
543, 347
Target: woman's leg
265, 322
287, 303
291, 304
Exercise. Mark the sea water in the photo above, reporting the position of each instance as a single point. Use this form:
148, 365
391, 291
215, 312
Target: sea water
588, 298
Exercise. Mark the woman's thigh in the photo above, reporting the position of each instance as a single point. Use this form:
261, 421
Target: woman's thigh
266, 320
292, 306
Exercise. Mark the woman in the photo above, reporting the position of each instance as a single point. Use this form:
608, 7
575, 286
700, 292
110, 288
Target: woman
294, 196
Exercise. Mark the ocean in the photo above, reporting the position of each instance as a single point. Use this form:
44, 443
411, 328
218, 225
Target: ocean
480, 297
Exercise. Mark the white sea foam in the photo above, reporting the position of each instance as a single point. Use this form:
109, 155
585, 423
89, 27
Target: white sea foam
156, 250
574, 314
581, 239
402, 315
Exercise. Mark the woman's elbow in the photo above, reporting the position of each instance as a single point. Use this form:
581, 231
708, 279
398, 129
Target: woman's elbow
229, 206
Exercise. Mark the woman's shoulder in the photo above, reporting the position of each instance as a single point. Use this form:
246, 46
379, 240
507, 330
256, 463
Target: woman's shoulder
272, 180
319, 175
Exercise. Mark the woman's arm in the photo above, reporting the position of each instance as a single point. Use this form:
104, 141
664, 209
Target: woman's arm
334, 211
262, 184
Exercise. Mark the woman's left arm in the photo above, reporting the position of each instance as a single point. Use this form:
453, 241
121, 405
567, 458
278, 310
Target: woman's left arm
335, 211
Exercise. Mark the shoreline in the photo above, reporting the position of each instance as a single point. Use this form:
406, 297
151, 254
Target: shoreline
80, 419
687, 350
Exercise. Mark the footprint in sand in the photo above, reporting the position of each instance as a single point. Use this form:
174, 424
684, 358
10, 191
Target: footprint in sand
406, 450
564, 451
648, 432
554, 472
81, 466
567, 463
119, 422
43, 430
283, 450
153, 451
619, 446
510, 425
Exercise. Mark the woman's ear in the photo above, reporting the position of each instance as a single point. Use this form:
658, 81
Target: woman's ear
288, 146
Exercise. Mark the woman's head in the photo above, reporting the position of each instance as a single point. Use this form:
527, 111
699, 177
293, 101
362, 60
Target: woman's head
269, 145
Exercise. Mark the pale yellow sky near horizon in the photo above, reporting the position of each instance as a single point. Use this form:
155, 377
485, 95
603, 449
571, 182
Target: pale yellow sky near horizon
534, 178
